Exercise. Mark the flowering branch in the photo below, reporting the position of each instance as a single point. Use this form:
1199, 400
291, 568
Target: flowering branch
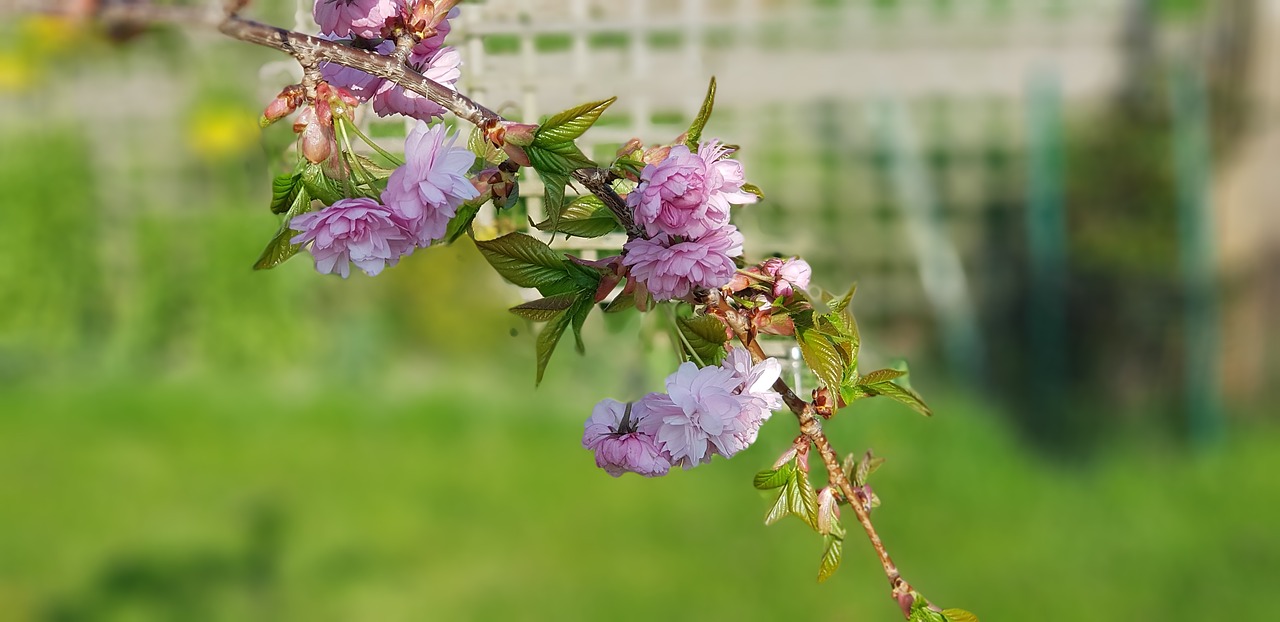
681, 248
310, 51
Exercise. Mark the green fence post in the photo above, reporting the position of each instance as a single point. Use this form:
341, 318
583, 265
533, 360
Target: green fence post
1192, 165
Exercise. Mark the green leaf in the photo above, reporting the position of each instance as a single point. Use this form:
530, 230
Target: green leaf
753, 189
866, 466
553, 195
524, 261
562, 158
958, 615
881, 375
897, 393
925, 614
579, 314
621, 303
545, 309
570, 124
461, 221
774, 478
479, 145
547, 340
280, 249
585, 217
806, 504
830, 557
694, 135
319, 185
284, 188
706, 335
821, 355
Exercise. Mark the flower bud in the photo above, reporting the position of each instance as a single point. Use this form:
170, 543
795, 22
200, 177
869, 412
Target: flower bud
823, 404
283, 105
317, 142
519, 133
631, 147
656, 154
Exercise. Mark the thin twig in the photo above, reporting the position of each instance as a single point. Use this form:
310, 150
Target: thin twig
811, 428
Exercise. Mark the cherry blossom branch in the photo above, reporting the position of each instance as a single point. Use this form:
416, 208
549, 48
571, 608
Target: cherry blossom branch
310, 51
811, 428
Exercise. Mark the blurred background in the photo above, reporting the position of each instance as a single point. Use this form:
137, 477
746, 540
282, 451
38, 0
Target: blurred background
1061, 213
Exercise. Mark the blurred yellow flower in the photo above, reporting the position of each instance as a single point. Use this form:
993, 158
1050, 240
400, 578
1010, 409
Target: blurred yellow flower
16, 72
221, 131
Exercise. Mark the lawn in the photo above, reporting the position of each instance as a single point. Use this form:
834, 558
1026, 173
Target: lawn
227, 499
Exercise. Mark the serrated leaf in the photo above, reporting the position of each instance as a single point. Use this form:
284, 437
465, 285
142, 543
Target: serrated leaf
545, 309
881, 375
579, 314
806, 505
280, 249
377, 171
958, 615
570, 124
897, 393
753, 189
461, 221
782, 506
284, 188
547, 340
479, 145
694, 135
584, 217
830, 558
925, 614
774, 478
821, 355
706, 335
866, 466
553, 195
524, 261
319, 186
621, 303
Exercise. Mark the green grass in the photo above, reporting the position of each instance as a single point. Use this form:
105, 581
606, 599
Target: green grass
459, 504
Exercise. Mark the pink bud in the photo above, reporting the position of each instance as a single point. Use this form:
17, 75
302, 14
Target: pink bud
283, 105
656, 154
317, 142
519, 133
517, 154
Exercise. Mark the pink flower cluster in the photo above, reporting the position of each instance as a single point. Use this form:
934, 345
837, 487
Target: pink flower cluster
421, 197
429, 57
682, 203
715, 410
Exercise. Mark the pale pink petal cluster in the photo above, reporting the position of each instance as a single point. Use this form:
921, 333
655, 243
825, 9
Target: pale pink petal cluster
672, 268
715, 410
788, 274
619, 448
688, 194
361, 18
441, 65
359, 231
426, 191
429, 57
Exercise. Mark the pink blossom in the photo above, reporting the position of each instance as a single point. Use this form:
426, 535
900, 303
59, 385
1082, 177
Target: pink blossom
440, 65
359, 231
362, 18
670, 198
426, 191
689, 194
788, 274
670, 268
759, 400
359, 83
724, 178
611, 433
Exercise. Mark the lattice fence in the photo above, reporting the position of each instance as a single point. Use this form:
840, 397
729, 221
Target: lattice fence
845, 112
